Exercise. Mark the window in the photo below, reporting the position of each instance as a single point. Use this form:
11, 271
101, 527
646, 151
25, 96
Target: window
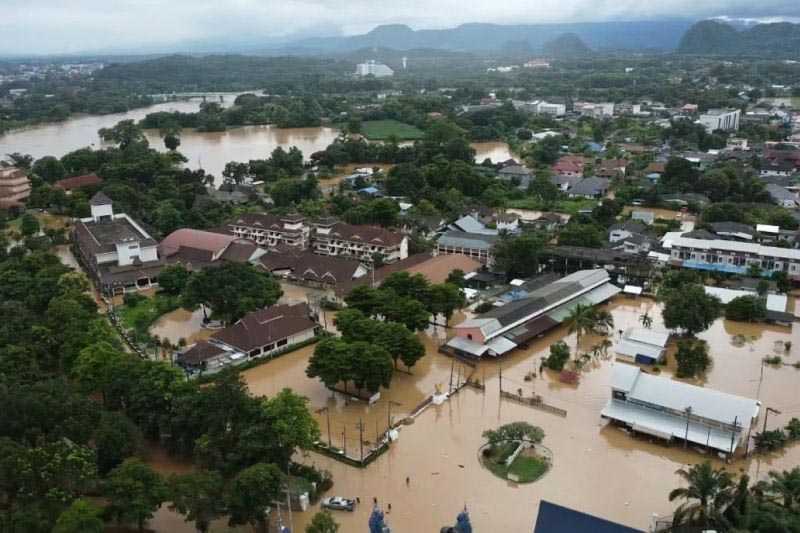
469, 336
282, 342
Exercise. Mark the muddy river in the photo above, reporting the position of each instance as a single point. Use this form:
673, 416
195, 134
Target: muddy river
598, 469
207, 150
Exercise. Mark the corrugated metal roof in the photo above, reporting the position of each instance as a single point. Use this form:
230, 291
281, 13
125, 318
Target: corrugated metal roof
465, 345
461, 239
554, 518
736, 246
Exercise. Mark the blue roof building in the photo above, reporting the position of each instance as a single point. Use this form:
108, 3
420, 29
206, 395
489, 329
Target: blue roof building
554, 518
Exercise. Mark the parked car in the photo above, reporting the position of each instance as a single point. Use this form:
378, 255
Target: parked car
338, 503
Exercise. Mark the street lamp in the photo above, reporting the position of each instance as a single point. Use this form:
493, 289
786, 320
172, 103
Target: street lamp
766, 415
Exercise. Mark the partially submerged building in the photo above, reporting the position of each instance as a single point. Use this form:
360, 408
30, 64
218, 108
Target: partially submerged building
669, 409
642, 345
518, 322
553, 518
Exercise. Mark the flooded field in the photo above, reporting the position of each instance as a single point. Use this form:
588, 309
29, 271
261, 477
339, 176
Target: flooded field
181, 324
496, 151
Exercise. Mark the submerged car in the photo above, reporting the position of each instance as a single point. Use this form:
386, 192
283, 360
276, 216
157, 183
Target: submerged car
338, 503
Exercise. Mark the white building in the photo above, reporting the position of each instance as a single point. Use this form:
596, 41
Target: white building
733, 257
641, 345
669, 409
720, 119
555, 110
371, 68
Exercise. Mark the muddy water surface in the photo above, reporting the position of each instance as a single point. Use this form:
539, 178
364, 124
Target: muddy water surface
596, 468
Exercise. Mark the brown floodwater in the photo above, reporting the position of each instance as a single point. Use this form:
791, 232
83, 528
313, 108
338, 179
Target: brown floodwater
181, 324
207, 150
596, 468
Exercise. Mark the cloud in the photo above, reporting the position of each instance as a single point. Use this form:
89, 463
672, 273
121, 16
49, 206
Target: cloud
64, 26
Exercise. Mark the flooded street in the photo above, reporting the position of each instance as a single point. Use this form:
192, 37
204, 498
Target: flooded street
597, 469
496, 151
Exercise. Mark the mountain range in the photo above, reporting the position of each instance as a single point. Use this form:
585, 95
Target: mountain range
718, 38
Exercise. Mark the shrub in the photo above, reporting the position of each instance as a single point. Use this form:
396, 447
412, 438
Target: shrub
483, 307
559, 355
132, 299
692, 358
746, 309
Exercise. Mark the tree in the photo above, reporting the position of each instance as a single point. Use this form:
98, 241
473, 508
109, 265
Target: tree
407, 311
231, 290
322, 522
124, 134
173, 279
559, 355
514, 432
690, 309
518, 256
95, 366
115, 439
135, 492
330, 362
252, 494
543, 188
692, 358
400, 343
746, 309
582, 319
679, 175
782, 281
49, 169
456, 277
445, 299
80, 517
199, 496
291, 424
370, 366
172, 141
29, 225
582, 235
706, 496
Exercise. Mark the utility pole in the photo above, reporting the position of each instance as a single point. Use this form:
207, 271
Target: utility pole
344, 439
501, 375
361, 438
686, 437
328, 416
450, 385
733, 433
766, 415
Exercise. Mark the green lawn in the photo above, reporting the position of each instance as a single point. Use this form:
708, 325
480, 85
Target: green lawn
141, 316
526, 468
567, 205
381, 130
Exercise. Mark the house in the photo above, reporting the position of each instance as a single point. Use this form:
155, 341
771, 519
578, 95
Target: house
734, 231
308, 268
569, 165
565, 182
646, 217
15, 187
553, 518
591, 188
638, 244
612, 168
78, 182
258, 334
117, 252
196, 249
641, 345
516, 323
476, 245
720, 119
515, 174
470, 224
593, 109
733, 257
782, 196
669, 409
623, 230
776, 168
362, 242
552, 109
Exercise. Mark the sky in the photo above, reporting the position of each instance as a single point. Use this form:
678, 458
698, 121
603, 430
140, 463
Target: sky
72, 26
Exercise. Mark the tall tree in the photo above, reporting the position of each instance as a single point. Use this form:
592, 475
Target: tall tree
322, 522
80, 517
690, 309
252, 494
135, 492
707, 494
199, 496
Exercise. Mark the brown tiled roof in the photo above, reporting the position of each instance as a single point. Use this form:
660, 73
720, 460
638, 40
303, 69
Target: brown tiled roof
200, 352
266, 326
76, 182
366, 234
309, 266
258, 220
196, 239
239, 251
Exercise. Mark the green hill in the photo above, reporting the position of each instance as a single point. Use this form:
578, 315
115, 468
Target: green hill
717, 38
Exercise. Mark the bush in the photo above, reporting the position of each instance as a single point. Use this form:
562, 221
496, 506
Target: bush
692, 358
132, 299
769, 441
484, 307
559, 355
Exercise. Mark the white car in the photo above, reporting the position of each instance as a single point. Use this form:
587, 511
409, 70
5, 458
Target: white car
338, 503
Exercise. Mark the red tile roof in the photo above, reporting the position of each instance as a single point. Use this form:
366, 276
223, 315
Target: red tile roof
76, 182
266, 326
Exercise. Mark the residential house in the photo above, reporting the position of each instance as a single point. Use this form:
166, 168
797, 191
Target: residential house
15, 187
569, 165
595, 109
735, 231
642, 345
258, 334
612, 168
78, 182
518, 322
592, 188
669, 409
565, 182
622, 230
782, 196
515, 174
776, 168
117, 252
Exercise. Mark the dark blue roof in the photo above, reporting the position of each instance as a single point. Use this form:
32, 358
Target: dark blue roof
554, 518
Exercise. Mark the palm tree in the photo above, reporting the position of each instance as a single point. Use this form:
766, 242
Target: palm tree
581, 320
784, 488
603, 322
707, 496
646, 320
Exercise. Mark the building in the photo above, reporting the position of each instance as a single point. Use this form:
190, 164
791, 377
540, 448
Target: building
312, 269
782, 196
554, 110
646, 217
776, 304
733, 257
196, 249
516, 174
612, 168
590, 188
553, 518
734, 231
371, 68
363, 242
118, 253
670, 409
720, 119
593, 109
270, 231
641, 345
623, 230
569, 165
516, 323
475, 245
259, 334
78, 182
15, 187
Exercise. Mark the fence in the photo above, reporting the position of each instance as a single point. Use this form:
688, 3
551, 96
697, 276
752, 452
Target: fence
534, 401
